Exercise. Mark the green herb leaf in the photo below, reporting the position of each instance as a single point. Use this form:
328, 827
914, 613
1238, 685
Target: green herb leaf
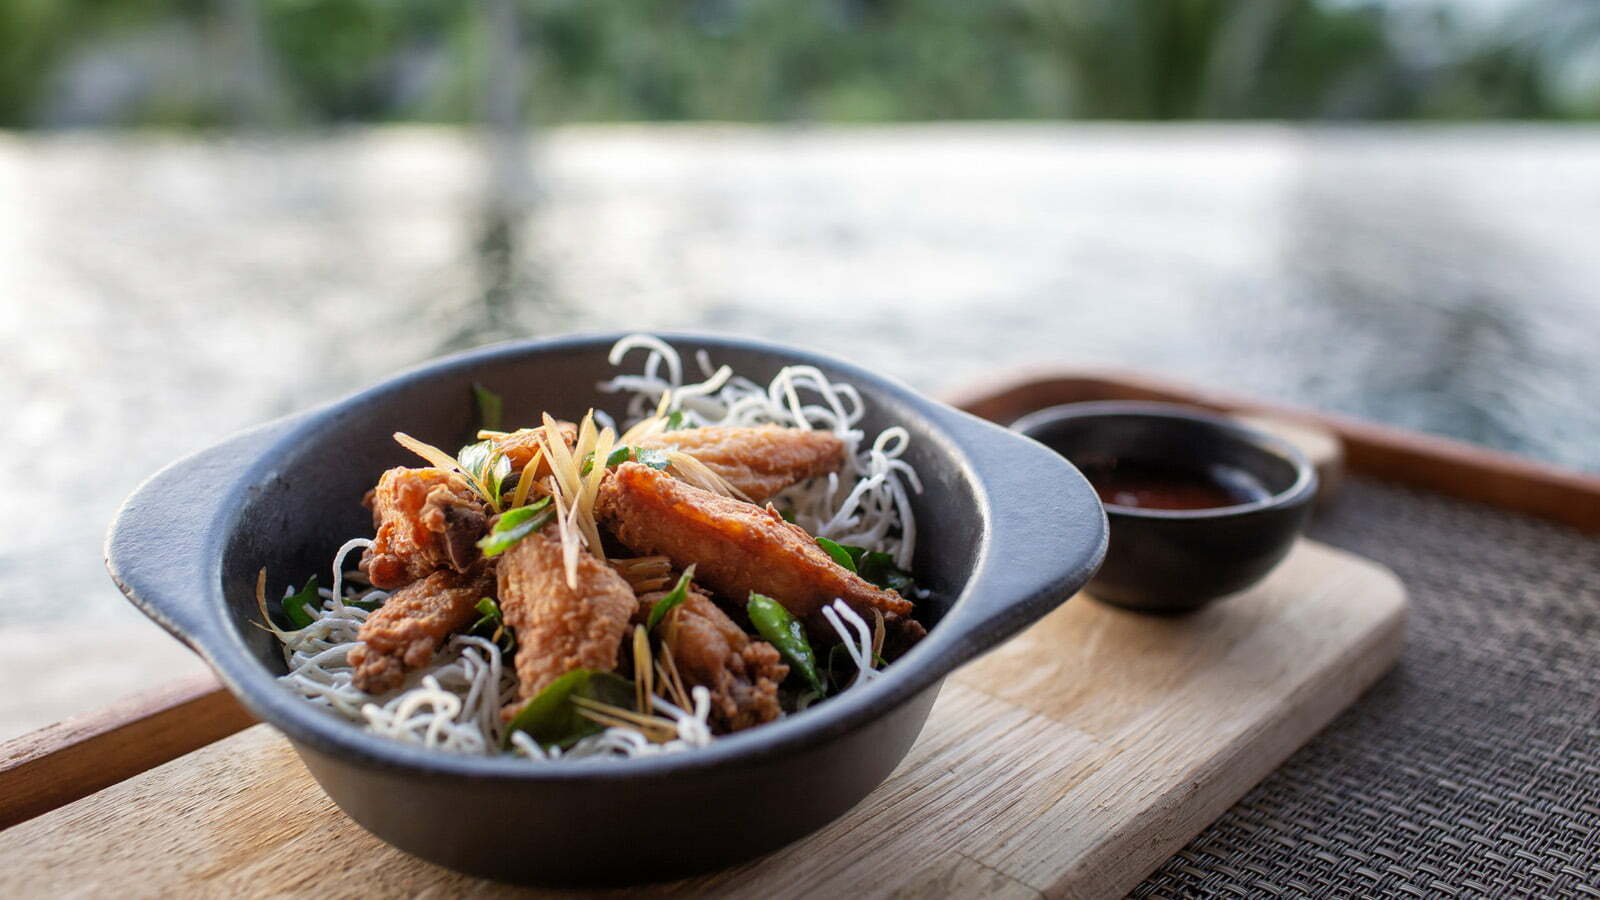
553, 720
514, 525
626, 453
834, 678
783, 631
492, 624
490, 407
843, 555
655, 459
475, 459
489, 610
674, 597
295, 606
873, 565
485, 465
368, 605
787, 514
677, 421
879, 568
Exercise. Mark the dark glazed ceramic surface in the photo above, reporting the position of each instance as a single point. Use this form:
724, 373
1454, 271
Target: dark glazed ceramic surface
1179, 560
1008, 530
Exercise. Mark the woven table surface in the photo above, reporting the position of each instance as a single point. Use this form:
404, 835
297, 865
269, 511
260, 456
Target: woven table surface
1473, 768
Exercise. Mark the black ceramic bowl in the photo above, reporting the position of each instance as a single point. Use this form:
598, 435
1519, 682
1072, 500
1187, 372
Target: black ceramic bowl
1008, 531
1174, 560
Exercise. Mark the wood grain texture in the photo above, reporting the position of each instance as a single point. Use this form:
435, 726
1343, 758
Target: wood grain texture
1069, 762
74, 758
1393, 454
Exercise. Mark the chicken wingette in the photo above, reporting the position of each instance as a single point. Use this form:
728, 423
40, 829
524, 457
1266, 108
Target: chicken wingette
426, 520
759, 461
403, 633
736, 547
558, 627
709, 650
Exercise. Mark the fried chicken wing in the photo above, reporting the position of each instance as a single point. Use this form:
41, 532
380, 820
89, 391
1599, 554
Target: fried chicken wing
736, 547
426, 519
709, 650
758, 461
404, 632
558, 628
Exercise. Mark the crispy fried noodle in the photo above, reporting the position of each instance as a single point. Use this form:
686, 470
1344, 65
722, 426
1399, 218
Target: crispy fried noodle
582, 486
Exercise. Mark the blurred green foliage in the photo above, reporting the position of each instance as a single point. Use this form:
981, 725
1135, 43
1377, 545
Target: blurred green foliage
293, 62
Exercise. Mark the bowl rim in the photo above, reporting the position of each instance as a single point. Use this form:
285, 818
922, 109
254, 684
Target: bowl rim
1301, 490
218, 639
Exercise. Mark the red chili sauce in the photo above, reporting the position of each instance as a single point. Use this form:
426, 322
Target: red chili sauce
1121, 482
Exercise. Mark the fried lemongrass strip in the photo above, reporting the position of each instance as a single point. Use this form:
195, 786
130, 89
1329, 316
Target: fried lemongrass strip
654, 424
570, 540
448, 464
659, 730
643, 669
562, 464
586, 442
878, 633
565, 484
565, 465
641, 430
526, 479
428, 452
603, 445
594, 445
671, 678
644, 573
692, 471
650, 735
261, 603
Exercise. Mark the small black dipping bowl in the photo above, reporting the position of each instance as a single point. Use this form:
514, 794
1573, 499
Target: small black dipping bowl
1177, 560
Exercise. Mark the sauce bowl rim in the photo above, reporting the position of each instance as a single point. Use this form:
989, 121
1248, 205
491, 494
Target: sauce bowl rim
1300, 491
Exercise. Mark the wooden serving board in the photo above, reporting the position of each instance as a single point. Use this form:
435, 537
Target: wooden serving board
1071, 761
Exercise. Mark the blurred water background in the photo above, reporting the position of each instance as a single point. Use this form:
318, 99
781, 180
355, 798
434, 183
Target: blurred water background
214, 213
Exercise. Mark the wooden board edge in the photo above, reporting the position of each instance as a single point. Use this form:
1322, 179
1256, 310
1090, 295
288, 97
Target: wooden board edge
1361, 665
54, 766
1435, 463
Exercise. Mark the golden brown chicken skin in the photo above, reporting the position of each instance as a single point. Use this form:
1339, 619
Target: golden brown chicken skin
736, 547
403, 633
520, 445
560, 628
426, 519
710, 651
760, 461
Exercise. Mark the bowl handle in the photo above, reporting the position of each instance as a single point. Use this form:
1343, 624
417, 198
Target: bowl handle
1045, 535
158, 547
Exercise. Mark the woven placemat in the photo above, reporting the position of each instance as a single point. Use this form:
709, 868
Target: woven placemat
1473, 768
